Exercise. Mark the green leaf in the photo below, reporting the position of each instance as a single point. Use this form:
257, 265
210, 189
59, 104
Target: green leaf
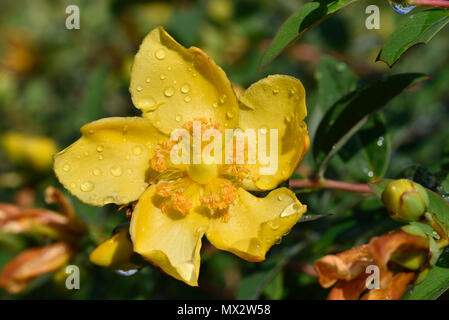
420, 28
334, 80
349, 113
367, 154
379, 186
426, 229
253, 285
433, 285
443, 261
298, 23
274, 289
439, 207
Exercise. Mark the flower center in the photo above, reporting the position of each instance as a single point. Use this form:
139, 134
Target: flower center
202, 173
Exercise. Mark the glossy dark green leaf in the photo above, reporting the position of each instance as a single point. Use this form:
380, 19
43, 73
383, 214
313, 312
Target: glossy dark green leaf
334, 80
349, 114
298, 23
434, 284
367, 153
420, 28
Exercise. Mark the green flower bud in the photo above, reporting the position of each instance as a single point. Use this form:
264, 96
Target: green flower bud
405, 200
410, 260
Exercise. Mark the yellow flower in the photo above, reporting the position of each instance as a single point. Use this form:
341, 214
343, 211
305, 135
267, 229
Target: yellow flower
36, 151
121, 160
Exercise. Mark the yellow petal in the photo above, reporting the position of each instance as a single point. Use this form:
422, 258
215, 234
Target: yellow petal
115, 253
172, 85
111, 161
170, 240
276, 102
255, 224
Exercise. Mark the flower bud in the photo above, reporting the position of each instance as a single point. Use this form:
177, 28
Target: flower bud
115, 253
405, 200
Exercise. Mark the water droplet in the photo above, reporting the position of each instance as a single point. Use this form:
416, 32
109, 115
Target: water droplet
194, 74
288, 118
169, 91
72, 185
275, 91
100, 157
178, 118
169, 68
223, 99
91, 131
127, 273
279, 198
162, 77
370, 174
185, 88
66, 167
147, 104
263, 130
380, 141
86, 154
100, 148
139, 88
147, 80
215, 105
229, 115
292, 208
108, 200
274, 224
160, 54
399, 8
86, 186
137, 150
116, 171
96, 171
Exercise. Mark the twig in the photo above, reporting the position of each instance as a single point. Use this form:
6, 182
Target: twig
331, 184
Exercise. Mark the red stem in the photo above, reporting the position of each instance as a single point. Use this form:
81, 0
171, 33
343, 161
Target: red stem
430, 3
331, 184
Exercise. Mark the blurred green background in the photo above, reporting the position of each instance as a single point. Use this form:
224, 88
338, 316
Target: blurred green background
54, 80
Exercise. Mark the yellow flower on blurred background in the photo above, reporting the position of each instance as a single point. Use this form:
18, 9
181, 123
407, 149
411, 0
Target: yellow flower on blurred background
34, 151
122, 160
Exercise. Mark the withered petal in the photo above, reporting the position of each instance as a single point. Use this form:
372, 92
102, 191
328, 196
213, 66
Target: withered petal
346, 265
393, 287
31, 263
348, 290
382, 248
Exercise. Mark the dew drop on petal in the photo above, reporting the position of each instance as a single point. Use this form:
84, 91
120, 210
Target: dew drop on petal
100, 157
162, 77
139, 88
137, 150
274, 224
86, 186
187, 99
185, 88
147, 104
147, 80
168, 92
160, 54
66, 167
292, 208
116, 171
229, 115
178, 118
279, 198
100, 148
402, 9
275, 91
96, 171
215, 105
